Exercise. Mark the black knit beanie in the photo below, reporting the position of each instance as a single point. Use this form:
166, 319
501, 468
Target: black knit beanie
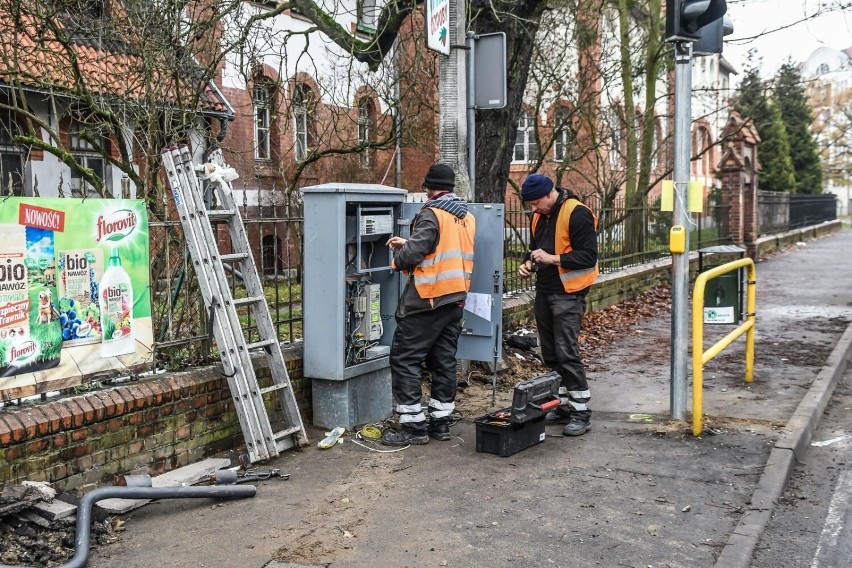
440, 177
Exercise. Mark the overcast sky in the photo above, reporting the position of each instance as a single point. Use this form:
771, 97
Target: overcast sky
765, 18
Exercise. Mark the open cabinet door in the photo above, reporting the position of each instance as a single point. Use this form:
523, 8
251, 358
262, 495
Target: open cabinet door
483, 316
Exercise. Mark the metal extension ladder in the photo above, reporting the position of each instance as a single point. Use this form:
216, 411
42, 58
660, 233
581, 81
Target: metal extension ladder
262, 440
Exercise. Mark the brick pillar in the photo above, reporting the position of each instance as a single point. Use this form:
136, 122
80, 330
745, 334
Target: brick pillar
739, 168
732, 198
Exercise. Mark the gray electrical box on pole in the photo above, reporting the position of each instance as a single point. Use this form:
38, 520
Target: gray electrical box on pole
486, 86
489, 71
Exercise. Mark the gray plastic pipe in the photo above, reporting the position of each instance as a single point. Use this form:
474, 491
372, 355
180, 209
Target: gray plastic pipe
84, 509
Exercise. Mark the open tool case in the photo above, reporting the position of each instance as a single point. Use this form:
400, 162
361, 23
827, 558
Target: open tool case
513, 429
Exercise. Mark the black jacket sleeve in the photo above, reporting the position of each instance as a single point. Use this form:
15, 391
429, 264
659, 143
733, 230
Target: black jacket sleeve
423, 240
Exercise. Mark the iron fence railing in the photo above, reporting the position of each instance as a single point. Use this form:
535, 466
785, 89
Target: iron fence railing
779, 212
180, 320
812, 209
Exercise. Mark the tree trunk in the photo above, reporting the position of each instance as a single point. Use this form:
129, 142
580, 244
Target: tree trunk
494, 139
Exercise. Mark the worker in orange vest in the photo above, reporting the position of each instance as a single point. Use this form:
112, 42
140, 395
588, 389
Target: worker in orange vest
563, 252
438, 258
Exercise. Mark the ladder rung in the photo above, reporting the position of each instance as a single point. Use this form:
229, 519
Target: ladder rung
250, 300
286, 432
260, 344
216, 214
234, 256
273, 388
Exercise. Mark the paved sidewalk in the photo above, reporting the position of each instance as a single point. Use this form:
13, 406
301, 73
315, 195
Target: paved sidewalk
638, 490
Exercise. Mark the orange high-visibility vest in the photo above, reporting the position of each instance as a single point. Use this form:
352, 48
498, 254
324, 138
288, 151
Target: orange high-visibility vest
572, 280
449, 268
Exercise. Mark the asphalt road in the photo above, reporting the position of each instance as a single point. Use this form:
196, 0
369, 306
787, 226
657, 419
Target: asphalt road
812, 524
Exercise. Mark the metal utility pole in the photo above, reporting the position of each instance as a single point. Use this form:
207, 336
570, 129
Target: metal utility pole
680, 262
452, 103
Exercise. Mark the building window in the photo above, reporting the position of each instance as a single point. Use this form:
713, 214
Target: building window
88, 155
655, 151
616, 137
368, 14
302, 100
526, 147
271, 254
365, 129
822, 69
563, 135
702, 151
11, 157
262, 122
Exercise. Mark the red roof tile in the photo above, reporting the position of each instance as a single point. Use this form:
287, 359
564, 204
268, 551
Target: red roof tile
32, 55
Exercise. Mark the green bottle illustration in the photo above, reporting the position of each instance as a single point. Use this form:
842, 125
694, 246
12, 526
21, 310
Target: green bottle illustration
116, 309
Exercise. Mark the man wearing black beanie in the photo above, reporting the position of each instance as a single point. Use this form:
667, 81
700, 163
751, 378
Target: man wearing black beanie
564, 255
438, 258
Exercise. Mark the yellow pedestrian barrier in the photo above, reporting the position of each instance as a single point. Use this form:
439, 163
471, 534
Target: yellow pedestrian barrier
701, 357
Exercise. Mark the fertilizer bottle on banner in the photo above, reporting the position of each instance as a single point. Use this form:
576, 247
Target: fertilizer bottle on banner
116, 309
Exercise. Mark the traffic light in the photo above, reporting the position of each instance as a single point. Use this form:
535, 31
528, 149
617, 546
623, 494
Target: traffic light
711, 36
684, 18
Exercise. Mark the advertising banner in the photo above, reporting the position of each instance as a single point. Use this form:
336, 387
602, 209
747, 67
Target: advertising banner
75, 299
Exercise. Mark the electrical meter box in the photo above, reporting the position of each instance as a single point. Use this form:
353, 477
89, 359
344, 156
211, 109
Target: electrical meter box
350, 295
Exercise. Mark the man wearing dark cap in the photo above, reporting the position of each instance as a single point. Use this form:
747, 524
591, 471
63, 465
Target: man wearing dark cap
438, 258
564, 255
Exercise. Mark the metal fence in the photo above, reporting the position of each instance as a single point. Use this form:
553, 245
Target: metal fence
181, 325
812, 209
779, 212
627, 236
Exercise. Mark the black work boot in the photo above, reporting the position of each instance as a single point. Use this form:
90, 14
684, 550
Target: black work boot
577, 425
405, 434
439, 429
561, 415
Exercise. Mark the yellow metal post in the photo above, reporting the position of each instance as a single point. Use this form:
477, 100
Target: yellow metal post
699, 356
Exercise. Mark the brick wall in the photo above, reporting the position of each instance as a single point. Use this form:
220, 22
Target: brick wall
150, 426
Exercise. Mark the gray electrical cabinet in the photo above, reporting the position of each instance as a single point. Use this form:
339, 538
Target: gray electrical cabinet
483, 315
350, 296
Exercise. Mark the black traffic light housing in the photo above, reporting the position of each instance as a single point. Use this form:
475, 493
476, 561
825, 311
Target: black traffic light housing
685, 18
711, 36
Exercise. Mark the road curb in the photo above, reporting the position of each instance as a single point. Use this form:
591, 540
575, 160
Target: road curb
787, 452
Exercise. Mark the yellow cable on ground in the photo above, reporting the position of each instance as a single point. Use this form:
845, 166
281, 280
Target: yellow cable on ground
371, 432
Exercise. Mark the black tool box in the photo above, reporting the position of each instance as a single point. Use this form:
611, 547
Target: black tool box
513, 429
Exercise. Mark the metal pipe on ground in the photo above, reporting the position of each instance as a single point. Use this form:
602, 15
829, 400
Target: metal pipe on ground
84, 509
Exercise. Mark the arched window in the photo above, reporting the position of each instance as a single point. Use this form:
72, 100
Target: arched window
261, 96
563, 134
11, 156
89, 147
702, 151
303, 101
655, 147
526, 146
366, 119
822, 69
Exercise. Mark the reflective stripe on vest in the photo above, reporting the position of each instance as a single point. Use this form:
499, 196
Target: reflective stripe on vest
572, 280
449, 268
